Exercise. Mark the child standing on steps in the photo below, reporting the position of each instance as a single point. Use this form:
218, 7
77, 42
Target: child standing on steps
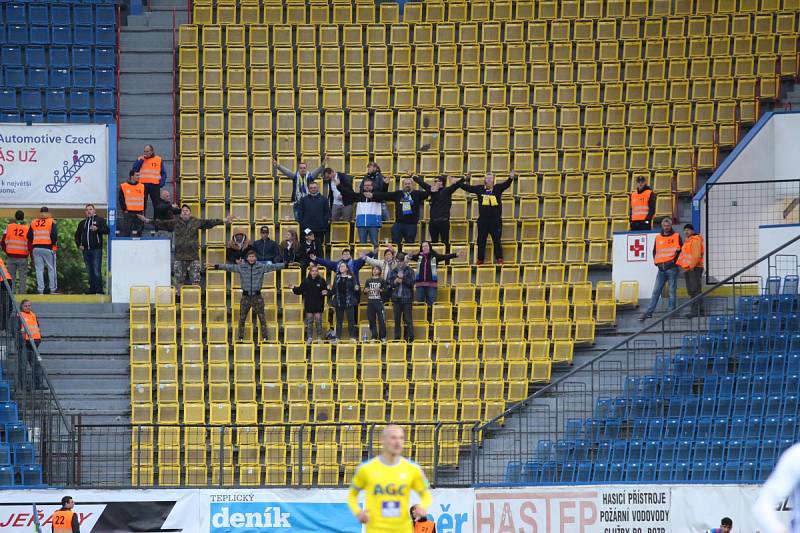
313, 289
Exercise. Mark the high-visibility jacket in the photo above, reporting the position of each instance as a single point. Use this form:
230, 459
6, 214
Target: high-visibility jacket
4, 270
41, 231
151, 170
62, 521
640, 204
134, 196
33, 325
425, 527
17, 240
692, 253
667, 247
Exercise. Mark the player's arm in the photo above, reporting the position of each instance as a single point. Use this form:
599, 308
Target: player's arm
778, 487
356, 486
421, 486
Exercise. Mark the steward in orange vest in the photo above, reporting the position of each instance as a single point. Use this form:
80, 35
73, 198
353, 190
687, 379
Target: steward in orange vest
643, 205
32, 336
131, 203
151, 173
43, 239
691, 261
421, 524
666, 249
65, 520
15, 238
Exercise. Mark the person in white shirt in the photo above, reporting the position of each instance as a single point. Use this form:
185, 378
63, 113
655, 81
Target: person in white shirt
781, 484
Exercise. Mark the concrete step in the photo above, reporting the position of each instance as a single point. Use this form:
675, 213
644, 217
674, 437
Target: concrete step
81, 348
144, 62
158, 19
137, 126
110, 385
129, 154
68, 365
156, 82
143, 101
147, 41
158, 5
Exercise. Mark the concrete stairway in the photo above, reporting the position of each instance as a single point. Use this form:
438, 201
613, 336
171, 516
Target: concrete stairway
146, 83
85, 354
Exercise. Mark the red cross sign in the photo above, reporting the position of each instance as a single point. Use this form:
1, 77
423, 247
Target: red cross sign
637, 250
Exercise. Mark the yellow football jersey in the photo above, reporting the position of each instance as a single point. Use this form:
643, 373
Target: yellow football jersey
388, 491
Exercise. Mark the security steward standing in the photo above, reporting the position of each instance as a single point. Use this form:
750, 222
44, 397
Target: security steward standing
65, 520
421, 522
691, 261
131, 203
31, 335
665, 255
15, 244
643, 206
5, 296
151, 173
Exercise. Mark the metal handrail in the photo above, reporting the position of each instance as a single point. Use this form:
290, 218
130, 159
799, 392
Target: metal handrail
605, 353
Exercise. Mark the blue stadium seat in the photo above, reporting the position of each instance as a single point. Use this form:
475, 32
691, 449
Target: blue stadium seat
8, 100
616, 472
60, 15
688, 428
568, 472
755, 427
59, 57
79, 100
39, 34
603, 451
56, 117
793, 363
771, 428
59, 77
635, 450
748, 471
651, 450
544, 450
14, 77
639, 428
583, 472
8, 413
738, 427
79, 117
5, 388
105, 35
24, 454
649, 472
513, 472
668, 385
582, 449
31, 99
83, 35
671, 429
55, 100
83, 15
684, 450
681, 471
735, 450
564, 450
701, 449
708, 406
33, 116
769, 450
82, 78
532, 472
741, 404
572, 428
5, 455
691, 406
12, 56
665, 471
549, 472
105, 15
105, 78
619, 451
714, 471
720, 430
633, 471
82, 57
38, 14
724, 406
750, 450
697, 470
619, 408
37, 78
9, 116
61, 34
105, 57
104, 100
31, 475
35, 57
716, 450
611, 428
790, 404
600, 472
592, 429
7, 476
16, 14
16, 433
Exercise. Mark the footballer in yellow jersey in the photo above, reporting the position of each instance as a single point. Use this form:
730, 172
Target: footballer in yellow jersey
388, 480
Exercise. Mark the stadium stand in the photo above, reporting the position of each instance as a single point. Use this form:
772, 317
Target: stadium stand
723, 407
59, 62
18, 462
577, 97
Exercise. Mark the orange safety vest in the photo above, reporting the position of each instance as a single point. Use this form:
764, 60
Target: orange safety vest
4, 270
17, 239
134, 196
686, 259
424, 527
151, 170
640, 204
667, 247
41, 230
62, 521
33, 325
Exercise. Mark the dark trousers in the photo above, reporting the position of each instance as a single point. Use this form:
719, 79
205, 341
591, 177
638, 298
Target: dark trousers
694, 286
376, 315
94, 261
319, 236
402, 313
132, 225
641, 225
351, 321
494, 227
256, 303
152, 191
404, 232
29, 371
5, 305
440, 231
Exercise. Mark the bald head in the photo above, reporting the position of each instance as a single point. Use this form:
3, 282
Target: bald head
392, 439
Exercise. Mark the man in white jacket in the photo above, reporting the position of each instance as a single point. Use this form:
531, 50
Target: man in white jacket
781, 484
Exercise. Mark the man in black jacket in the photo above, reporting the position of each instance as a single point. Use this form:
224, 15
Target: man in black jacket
315, 213
441, 198
341, 207
165, 209
89, 240
490, 214
267, 250
408, 203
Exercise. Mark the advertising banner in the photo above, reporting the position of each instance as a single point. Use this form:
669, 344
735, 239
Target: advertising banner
56, 165
700, 507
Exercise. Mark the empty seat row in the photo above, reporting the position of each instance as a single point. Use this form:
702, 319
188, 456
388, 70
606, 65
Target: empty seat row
42, 78
74, 100
59, 35
59, 56
59, 13
58, 117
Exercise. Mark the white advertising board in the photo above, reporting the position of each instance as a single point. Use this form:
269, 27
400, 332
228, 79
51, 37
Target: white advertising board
632, 260
139, 262
56, 165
